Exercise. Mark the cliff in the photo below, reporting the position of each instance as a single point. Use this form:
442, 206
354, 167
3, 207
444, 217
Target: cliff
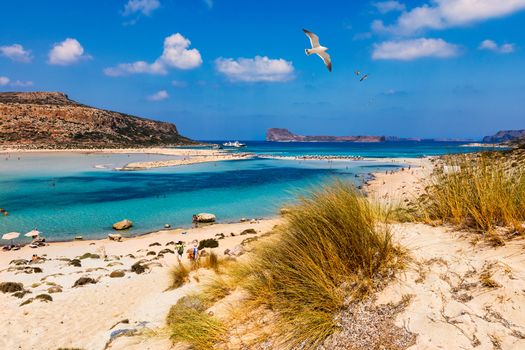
52, 120
505, 136
284, 135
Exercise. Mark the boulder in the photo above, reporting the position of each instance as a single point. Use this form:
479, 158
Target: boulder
204, 217
117, 274
123, 225
238, 250
83, 281
115, 236
54, 289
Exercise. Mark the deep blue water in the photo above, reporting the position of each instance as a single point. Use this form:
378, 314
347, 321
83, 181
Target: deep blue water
66, 195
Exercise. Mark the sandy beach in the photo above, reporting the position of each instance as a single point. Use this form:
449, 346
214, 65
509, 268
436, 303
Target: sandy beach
184, 156
451, 307
84, 317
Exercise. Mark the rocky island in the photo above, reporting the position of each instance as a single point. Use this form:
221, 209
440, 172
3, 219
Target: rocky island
50, 120
284, 135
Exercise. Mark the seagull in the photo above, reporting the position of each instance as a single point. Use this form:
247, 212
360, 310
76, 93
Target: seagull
364, 77
318, 49
357, 72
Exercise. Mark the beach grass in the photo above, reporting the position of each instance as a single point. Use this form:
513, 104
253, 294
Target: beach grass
486, 191
331, 251
179, 275
189, 323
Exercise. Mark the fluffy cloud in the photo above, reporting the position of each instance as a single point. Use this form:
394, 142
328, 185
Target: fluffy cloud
145, 7
16, 52
66, 52
440, 14
491, 45
389, 6
159, 96
407, 50
258, 69
4, 81
175, 55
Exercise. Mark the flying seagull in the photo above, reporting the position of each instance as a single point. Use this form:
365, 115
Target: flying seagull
357, 72
318, 49
364, 77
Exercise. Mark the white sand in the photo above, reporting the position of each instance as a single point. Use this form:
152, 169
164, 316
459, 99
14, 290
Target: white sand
82, 317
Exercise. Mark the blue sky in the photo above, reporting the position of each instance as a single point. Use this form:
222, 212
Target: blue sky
230, 69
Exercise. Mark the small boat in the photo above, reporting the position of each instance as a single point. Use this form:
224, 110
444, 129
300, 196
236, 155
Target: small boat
235, 144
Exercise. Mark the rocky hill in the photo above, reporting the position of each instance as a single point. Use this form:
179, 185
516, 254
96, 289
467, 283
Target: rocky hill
52, 120
284, 135
505, 136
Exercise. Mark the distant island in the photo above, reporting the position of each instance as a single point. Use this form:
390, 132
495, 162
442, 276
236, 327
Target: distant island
506, 136
284, 135
38, 120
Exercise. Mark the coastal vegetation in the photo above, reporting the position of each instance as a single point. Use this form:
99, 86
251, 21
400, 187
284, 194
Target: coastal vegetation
332, 251
480, 192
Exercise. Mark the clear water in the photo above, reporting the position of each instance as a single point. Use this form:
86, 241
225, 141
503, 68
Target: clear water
67, 195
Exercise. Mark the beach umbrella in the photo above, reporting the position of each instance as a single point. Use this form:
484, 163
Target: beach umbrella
10, 236
33, 233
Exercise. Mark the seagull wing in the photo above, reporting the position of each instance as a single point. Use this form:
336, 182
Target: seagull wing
326, 59
314, 39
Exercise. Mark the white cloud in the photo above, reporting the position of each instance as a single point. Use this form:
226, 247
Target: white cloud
389, 6
175, 55
258, 69
407, 50
67, 52
145, 7
209, 3
491, 45
4, 81
159, 96
19, 83
440, 14
16, 52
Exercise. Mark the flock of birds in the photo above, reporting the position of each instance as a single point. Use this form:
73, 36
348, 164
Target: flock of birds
320, 51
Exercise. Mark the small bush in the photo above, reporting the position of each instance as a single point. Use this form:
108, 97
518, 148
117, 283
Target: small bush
179, 275
76, 263
208, 243
89, 256
138, 268
11, 287
44, 297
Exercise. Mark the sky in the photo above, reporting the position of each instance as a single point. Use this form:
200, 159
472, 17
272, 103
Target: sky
231, 69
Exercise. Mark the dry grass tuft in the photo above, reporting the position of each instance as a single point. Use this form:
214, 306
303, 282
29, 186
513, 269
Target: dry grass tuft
190, 324
179, 275
488, 191
332, 251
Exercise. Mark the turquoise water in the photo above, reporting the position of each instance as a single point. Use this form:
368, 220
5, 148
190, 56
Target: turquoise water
67, 195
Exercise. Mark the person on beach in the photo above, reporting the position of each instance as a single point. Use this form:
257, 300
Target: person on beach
180, 250
195, 251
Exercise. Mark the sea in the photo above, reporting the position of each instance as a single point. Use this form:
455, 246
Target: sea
65, 195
